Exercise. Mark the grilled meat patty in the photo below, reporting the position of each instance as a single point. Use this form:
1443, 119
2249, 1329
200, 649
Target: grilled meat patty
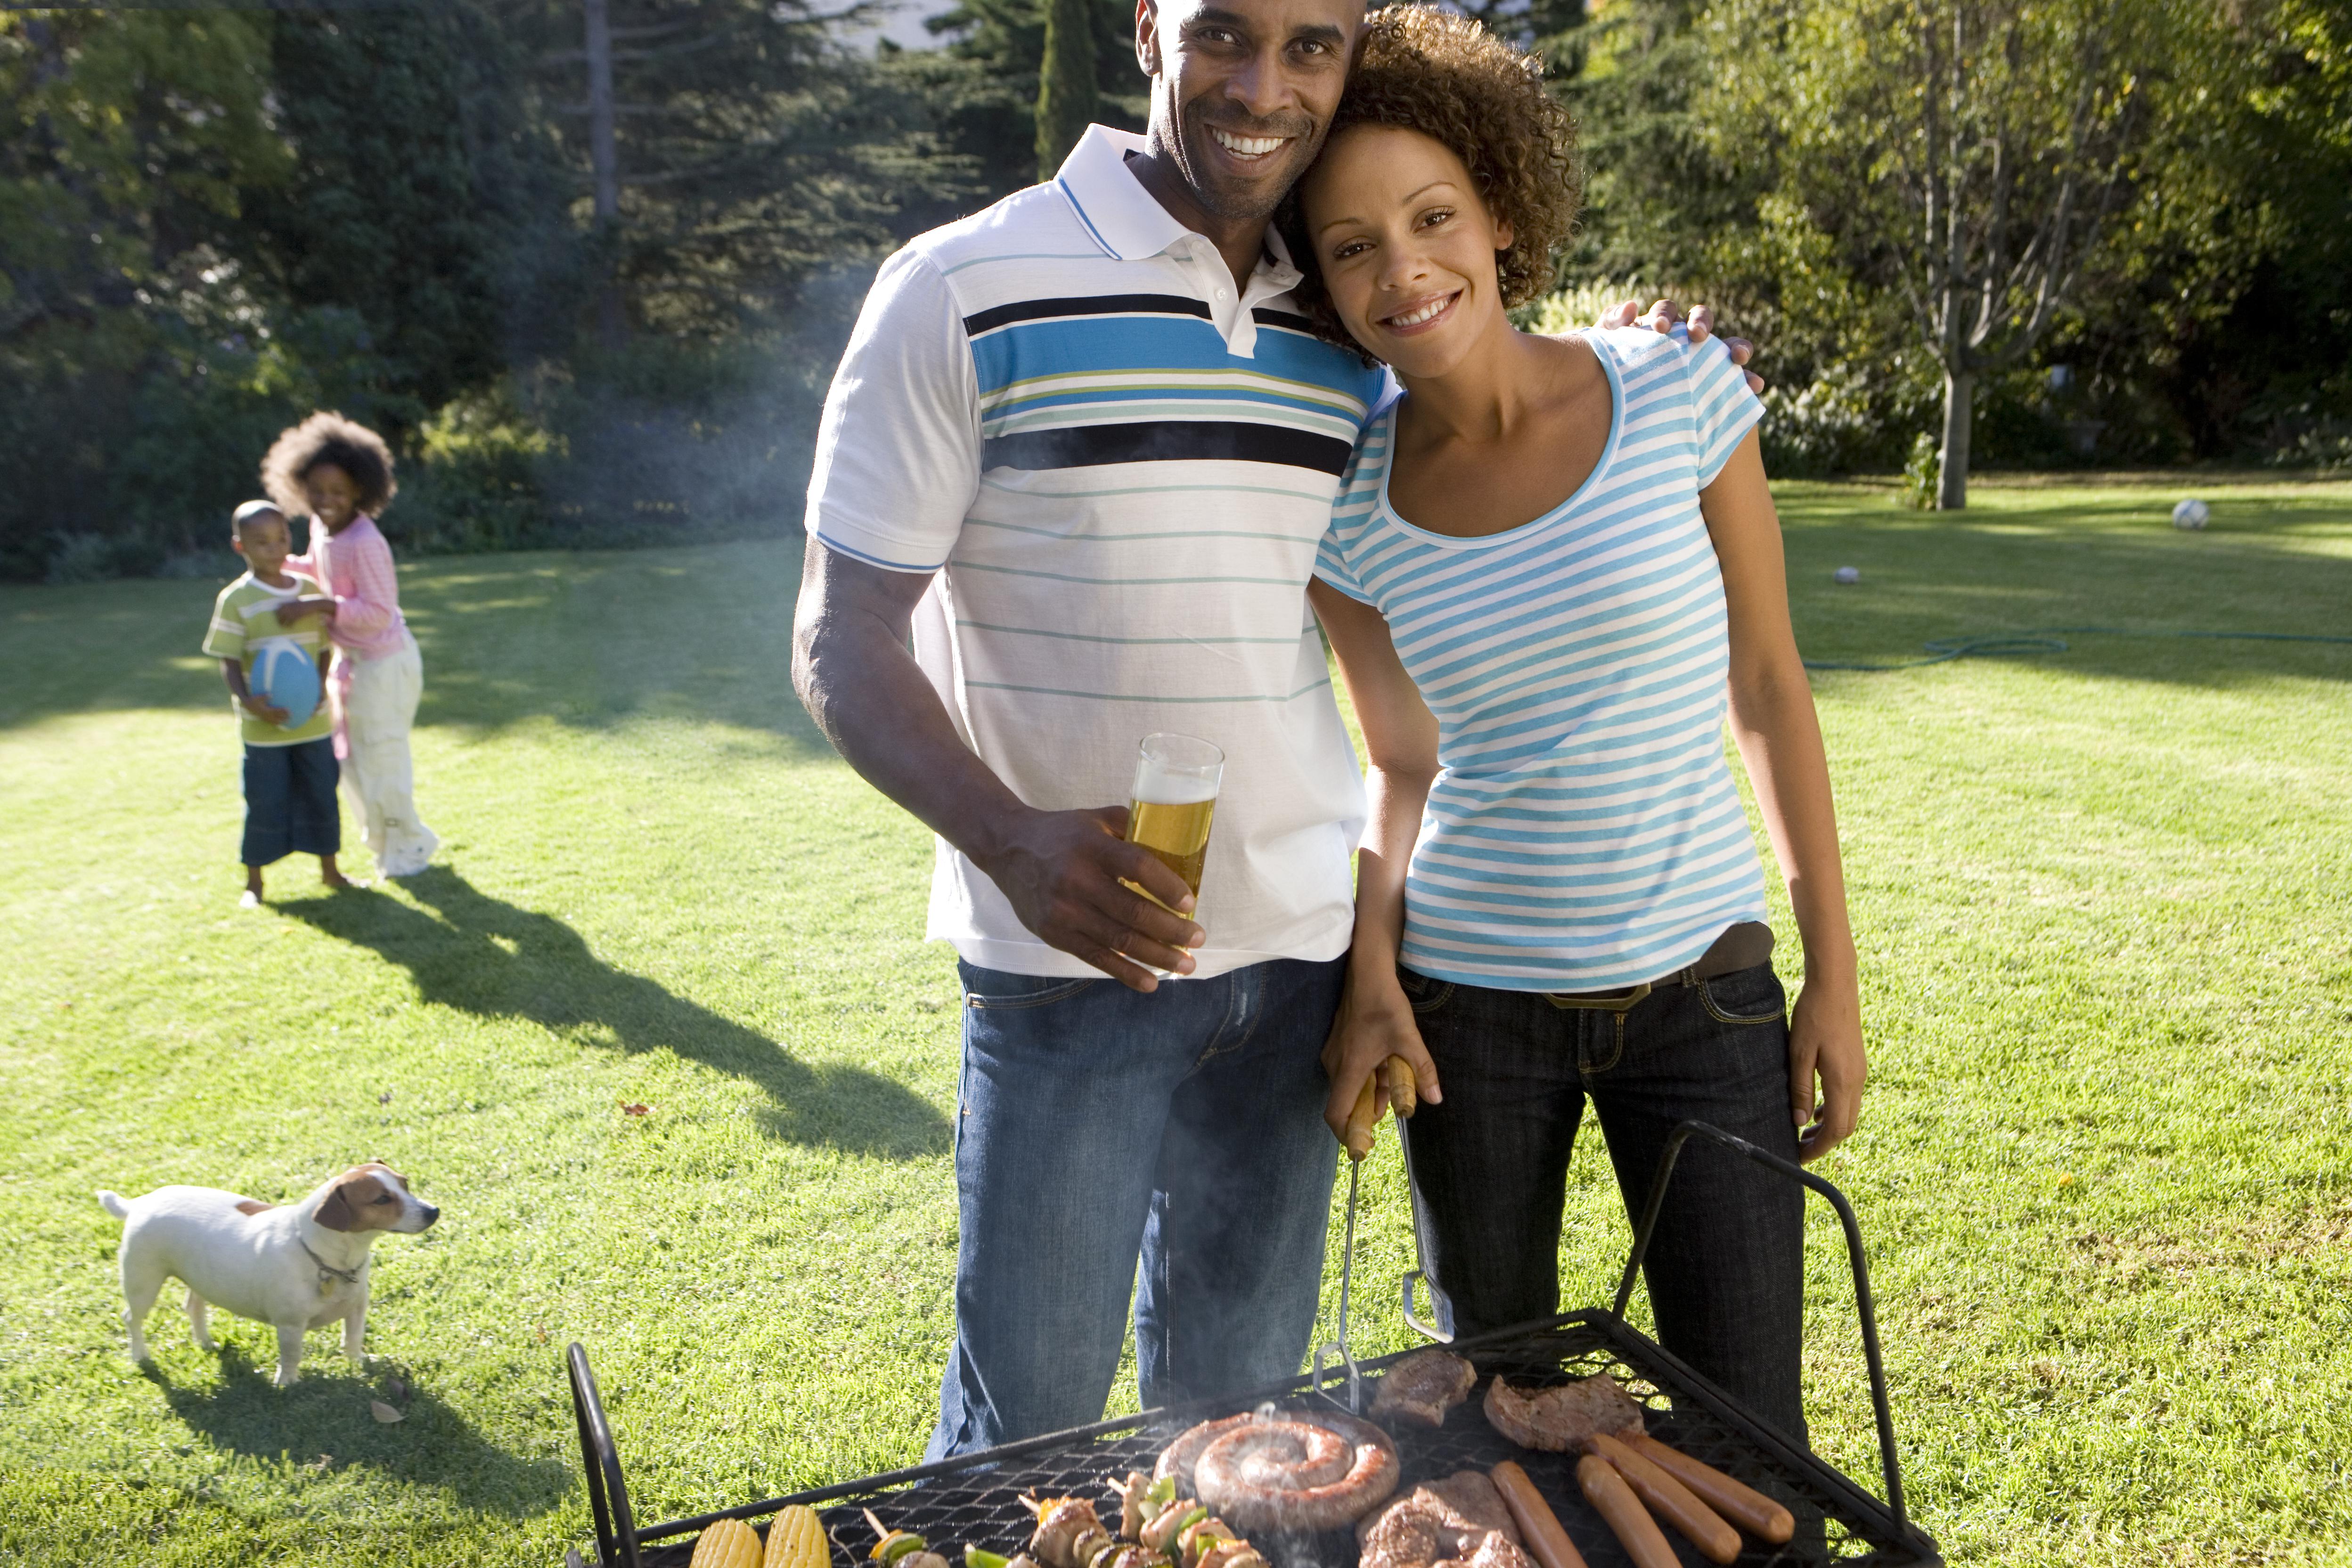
1560, 1419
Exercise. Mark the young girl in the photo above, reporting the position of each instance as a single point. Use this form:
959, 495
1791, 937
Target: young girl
339, 473
1552, 560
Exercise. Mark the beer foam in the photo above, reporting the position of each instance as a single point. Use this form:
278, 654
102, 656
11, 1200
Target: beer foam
1157, 785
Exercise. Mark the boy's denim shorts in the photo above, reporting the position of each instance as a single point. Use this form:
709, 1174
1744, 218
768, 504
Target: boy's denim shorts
289, 802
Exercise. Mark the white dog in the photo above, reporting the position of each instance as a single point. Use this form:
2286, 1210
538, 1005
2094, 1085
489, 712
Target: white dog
295, 1269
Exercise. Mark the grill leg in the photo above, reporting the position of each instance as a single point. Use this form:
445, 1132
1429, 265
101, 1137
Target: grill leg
1889, 1465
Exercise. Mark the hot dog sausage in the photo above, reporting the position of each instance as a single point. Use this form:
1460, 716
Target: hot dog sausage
1637, 1532
1539, 1526
1670, 1500
1751, 1510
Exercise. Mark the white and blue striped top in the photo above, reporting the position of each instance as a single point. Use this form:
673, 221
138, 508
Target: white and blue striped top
1585, 830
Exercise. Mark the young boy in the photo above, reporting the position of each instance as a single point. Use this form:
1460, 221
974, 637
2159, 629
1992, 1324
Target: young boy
289, 772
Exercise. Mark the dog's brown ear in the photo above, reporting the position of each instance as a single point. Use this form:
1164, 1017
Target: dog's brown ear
336, 1214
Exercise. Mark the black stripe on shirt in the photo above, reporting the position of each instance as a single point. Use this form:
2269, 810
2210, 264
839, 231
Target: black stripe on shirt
988, 321
1289, 319
1166, 441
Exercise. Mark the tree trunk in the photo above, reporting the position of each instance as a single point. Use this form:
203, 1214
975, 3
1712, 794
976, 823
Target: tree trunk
1952, 461
1065, 82
604, 165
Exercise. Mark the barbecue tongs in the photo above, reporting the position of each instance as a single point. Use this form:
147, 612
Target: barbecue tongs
1362, 1127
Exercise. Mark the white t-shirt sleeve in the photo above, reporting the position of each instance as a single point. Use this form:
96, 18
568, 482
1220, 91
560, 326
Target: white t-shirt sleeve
1721, 405
897, 452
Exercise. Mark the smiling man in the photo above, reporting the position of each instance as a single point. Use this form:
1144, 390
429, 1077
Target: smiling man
1072, 474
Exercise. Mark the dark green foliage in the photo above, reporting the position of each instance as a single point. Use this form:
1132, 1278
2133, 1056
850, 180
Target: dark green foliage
755, 151
1065, 81
127, 143
422, 199
2235, 332
982, 87
2221, 322
211, 221
1655, 189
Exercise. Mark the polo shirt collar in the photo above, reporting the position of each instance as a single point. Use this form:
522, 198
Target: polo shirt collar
1127, 220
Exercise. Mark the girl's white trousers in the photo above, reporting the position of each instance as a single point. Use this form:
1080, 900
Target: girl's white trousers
377, 705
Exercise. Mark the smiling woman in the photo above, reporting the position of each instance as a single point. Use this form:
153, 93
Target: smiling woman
1446, 77
1553, 571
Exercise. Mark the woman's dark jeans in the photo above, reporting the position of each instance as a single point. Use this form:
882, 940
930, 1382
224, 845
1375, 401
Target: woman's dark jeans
1726, 1268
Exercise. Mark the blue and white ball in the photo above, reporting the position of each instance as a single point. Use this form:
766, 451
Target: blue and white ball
286, 675
2191, 513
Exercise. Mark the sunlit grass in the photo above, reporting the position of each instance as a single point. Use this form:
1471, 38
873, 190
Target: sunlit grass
2102, 1169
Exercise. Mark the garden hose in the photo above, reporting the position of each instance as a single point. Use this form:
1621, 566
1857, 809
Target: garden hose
2048, 639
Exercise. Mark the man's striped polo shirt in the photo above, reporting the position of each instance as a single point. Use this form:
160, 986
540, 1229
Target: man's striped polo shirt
1119, 466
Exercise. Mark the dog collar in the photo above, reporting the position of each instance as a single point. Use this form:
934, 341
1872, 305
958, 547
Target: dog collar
328, 1272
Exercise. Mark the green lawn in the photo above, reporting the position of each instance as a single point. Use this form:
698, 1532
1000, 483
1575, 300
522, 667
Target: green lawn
2103, 1165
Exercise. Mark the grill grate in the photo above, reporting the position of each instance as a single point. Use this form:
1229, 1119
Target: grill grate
975, 1500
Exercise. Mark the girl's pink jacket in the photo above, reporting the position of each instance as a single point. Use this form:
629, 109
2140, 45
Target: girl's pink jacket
355, 568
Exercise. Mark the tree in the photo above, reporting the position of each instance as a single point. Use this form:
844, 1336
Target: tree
982, 91
1065, 82
129, 142
1655, 191
1968, 155
752, 148
424, 198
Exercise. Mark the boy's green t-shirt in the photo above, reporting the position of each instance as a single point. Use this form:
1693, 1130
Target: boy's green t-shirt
244, 617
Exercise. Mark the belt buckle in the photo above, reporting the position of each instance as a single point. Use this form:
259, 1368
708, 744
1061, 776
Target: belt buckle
1568, 1000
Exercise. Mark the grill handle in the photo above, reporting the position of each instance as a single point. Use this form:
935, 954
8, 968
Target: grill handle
608, 1494
1888, 1465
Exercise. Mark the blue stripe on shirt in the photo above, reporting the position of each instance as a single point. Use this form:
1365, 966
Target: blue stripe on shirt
1585, 830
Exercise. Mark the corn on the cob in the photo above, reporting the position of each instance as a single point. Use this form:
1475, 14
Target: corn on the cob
796, 1540
729, 1543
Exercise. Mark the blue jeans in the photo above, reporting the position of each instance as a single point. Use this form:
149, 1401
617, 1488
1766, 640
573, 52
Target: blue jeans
1097, 1124
289, 802
1726, 1268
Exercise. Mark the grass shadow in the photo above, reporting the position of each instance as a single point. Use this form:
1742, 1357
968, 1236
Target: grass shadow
2031, 561
601, 637
324, 1421
486, 956
592, 639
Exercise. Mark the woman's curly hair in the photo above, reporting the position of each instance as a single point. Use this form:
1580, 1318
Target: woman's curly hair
1448, 78
328, 438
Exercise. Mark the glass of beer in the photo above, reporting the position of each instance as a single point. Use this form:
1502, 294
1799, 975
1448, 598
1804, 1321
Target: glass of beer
1175, 794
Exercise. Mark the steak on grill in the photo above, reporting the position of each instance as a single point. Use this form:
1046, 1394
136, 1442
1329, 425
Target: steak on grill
1557, 1420
1423, 1387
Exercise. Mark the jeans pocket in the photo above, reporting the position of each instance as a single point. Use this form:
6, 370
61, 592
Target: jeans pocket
1038, 990
1426, 994
1752, 995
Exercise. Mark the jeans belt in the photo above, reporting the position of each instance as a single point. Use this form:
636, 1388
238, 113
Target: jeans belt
1741, 946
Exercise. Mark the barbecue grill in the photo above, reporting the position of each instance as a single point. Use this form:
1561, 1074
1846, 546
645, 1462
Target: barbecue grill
975, 1499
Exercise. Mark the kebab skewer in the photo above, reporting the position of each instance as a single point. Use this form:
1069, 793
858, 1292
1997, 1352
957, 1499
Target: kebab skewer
901, 1548
1182, 1530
